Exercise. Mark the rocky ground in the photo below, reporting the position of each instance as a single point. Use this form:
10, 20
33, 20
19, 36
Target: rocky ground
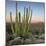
33, 39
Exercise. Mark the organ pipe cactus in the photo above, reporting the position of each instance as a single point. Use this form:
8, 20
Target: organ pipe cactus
21, 28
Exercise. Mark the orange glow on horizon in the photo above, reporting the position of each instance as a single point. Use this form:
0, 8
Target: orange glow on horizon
34, 19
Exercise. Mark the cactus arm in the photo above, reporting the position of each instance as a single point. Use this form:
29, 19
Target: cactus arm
19, 24
30, 20
30, 17
16, 20
23, 23
11, 23
26, 18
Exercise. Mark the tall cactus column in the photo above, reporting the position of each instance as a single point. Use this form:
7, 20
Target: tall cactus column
11, 23
20, 31
23, 23
30, 20
16, 21
27, 18
30, 17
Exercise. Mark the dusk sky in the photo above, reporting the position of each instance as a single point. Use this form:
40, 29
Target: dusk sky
38, 9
